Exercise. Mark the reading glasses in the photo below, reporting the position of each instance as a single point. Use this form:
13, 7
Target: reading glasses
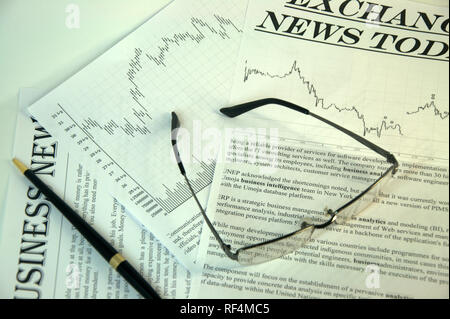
286, 244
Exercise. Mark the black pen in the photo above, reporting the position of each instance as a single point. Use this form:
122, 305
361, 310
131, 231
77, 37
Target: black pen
115, 259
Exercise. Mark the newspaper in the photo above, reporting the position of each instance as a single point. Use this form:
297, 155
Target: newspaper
396, 248
115, 112
44, 256
378, 70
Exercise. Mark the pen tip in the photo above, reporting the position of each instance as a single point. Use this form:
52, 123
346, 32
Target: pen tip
21, 166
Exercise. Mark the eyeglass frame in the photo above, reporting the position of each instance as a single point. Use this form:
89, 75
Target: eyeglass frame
236, 110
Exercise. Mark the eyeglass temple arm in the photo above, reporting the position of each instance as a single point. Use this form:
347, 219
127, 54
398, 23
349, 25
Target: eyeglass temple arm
240, 109
175, 126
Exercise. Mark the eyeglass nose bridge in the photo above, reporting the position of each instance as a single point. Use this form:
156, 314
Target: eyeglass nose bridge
304, 223
330, 221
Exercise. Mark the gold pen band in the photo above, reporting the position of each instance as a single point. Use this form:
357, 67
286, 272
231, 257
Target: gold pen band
116, 260
21, 166
95, 239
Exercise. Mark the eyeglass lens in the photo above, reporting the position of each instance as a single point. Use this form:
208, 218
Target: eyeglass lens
363, 202
267, 251
264, 252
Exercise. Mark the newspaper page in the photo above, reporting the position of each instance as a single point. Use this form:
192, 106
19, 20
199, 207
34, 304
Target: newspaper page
396, 248
379, 70
43, 256
116, 112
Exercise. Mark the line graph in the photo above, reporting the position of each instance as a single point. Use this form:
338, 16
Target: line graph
384, 125
398, 126
83, 130
431, 105
138, 121
221, 27
115, 112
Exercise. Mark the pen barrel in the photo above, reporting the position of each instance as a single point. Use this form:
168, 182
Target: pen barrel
105, 249
98, 242
136, 280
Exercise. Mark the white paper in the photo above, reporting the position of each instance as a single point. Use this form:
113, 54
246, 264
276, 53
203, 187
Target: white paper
43, 256
397, 248
117, 112
396, 100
